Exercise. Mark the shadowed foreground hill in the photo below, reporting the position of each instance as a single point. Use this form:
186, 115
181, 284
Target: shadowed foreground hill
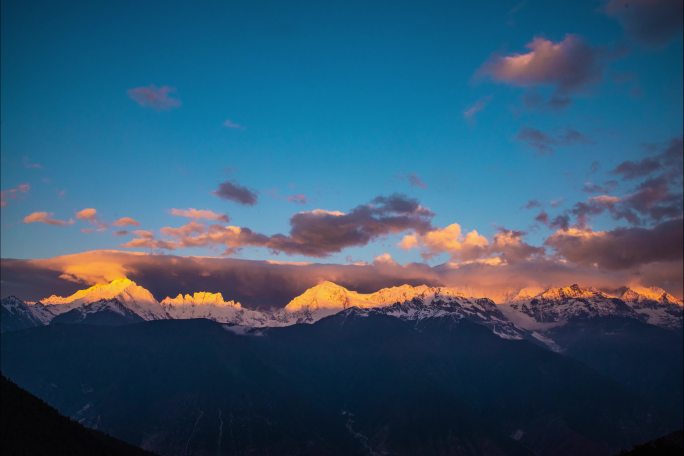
350, 384
31, 427
669, 445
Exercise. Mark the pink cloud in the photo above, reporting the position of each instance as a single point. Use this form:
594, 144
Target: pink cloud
157, 98
89, 214
567, 65
45, 217
126, 221
13, 193
298, 199
200, 214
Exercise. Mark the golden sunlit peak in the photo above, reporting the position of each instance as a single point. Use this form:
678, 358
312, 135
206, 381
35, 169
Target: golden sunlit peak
201, 298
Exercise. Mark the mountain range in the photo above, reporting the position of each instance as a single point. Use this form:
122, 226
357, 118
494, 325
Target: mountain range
525, 315
401, 371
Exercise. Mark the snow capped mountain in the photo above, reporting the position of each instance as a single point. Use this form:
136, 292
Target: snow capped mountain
556, 306
16, 314
529, 311
406, 302
654, 304
136, 298
213, 307
109, 312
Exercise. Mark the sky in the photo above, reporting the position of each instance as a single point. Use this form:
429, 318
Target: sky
502, 134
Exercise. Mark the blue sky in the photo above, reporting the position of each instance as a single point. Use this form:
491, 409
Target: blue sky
337, 101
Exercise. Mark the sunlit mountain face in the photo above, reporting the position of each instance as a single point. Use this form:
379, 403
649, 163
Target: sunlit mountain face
340, 228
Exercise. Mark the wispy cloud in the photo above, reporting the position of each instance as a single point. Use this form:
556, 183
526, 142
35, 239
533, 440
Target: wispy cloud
234, 192
298, 198
473, 110
157, 98
233, 125
200, 214
30, 164
545, 143
89, 215
126, 221
13, 193
47, 218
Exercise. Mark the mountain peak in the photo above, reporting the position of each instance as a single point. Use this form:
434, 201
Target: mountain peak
200, 298
137, 298
574, 291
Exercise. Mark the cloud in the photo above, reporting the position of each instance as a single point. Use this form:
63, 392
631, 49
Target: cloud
200, 214
544, 143
472, 111
13, 193
298, 199
667, 158
88, 213
568, 65
449, 239
656, 198
316, 233
146, 239
232, 125
126, 221
321, 233
30, 165
591, 187
652, 22
235, 192
157, 98
384, 259
415, 181
620, 248
506, 246
531, 204
633, 169
47, 218
265, 284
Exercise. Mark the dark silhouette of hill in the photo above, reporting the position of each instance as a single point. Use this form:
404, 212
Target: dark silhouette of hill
669, 445
31, 427
349, 384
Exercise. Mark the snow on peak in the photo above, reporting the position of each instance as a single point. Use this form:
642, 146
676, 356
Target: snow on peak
199, 298
574, 291
326, 296
138, 299
639, 294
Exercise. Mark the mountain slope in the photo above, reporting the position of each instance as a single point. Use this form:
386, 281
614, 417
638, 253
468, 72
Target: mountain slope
353, 383
555, 307
136, 298
15, 314
31, 427
109, 312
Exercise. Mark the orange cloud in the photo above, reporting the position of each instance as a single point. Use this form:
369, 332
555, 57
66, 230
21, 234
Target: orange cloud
260, 283
126, 221
88, 213
507, 246
200, 214
448, 240
45, 217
